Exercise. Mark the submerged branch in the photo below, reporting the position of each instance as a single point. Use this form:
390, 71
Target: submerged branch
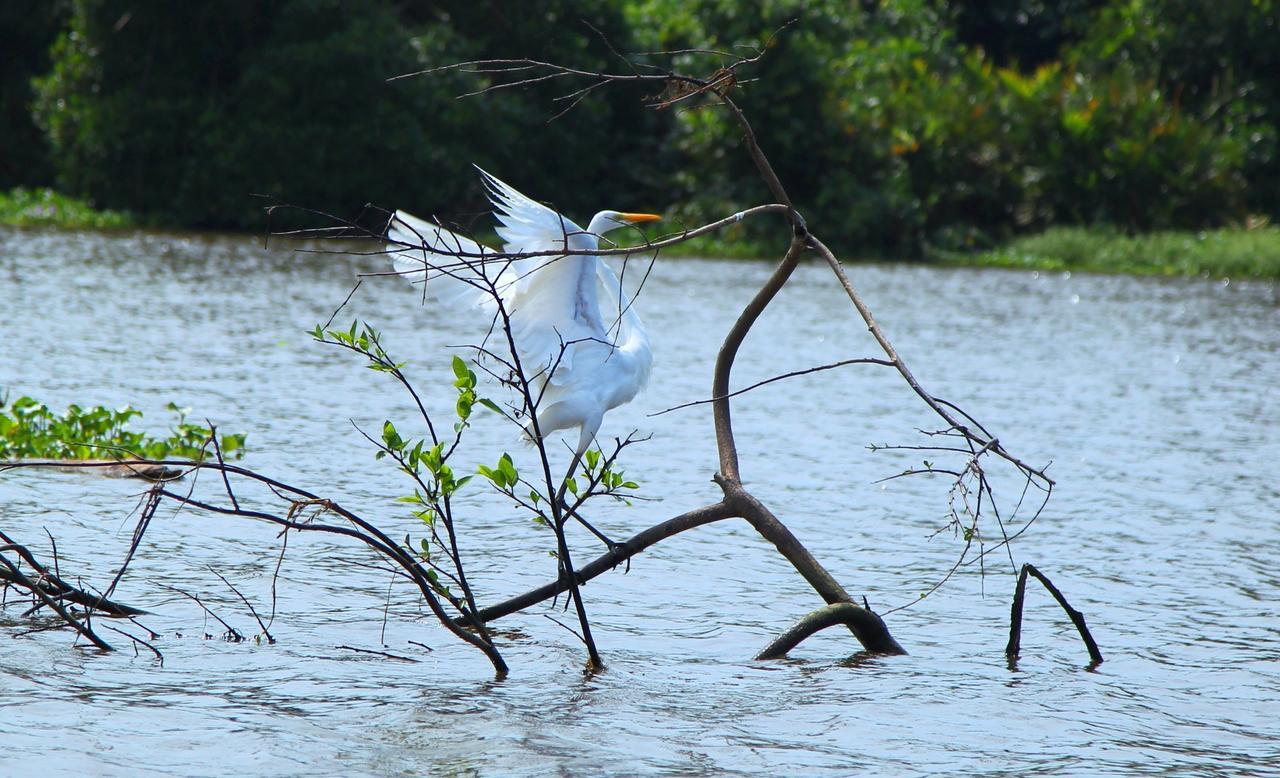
859, 620
19, 578
871, 633
56, 587
1015, 617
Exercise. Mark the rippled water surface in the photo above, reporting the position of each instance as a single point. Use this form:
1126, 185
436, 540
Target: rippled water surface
1156, 400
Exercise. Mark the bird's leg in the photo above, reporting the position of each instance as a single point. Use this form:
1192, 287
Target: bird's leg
569, 511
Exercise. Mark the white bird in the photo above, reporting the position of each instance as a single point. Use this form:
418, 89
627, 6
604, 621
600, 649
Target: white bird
579, 340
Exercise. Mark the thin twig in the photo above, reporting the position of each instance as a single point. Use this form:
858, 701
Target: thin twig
792, 374
137, 641
377, 653
232, 634
247, 604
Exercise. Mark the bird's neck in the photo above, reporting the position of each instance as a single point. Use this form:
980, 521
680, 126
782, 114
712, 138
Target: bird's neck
600, 223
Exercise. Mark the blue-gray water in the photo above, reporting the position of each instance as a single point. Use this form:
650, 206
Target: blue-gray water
1156, 400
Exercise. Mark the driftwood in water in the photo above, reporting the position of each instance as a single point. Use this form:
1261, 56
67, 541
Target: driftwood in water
107, 468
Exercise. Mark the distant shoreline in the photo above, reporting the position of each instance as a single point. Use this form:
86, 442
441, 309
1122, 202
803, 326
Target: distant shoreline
1219, 253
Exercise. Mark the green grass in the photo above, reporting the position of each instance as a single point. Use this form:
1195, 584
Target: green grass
30, 430
46, 208
1228, 253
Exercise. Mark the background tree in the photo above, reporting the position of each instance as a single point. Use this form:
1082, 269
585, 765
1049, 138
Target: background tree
908, 125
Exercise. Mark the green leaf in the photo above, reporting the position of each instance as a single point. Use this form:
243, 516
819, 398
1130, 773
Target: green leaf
508, 469
572, 485
390, 437
460, 367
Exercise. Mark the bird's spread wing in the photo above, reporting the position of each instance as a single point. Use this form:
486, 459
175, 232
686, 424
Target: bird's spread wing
416, 245
553, 300
525, 224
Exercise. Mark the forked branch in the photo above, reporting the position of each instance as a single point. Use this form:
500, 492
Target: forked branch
1015, 616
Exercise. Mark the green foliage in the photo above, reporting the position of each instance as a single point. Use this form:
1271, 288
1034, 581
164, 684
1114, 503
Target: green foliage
1060, 146
602, 472
29, 429
184, 111
896, 137
291, 100
898, 126
309, 118
503, 475
46, 208
1218, 253
1215, 60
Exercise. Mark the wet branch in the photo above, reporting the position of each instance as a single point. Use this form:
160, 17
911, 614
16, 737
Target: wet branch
1015, 616
859, 620
16, 576
56, 587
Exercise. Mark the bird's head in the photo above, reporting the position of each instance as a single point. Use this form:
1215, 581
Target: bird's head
606, 221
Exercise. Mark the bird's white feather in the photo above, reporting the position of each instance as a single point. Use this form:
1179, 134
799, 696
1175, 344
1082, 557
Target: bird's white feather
525, 224
575, 333
553, 300
426, 253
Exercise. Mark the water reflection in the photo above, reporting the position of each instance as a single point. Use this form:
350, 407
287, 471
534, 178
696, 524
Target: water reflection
1155, 399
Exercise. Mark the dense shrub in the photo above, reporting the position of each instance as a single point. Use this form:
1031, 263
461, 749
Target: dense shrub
1217, 61
185, 111
900, 125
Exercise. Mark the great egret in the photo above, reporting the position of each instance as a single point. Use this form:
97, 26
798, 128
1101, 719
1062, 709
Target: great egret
579, 340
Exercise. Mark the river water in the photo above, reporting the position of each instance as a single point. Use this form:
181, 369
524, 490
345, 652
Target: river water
1156, 401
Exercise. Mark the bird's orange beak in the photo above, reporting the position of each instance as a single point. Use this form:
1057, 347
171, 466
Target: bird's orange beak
636, 218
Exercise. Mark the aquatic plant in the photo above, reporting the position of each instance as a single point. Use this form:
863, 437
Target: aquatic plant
29, 429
